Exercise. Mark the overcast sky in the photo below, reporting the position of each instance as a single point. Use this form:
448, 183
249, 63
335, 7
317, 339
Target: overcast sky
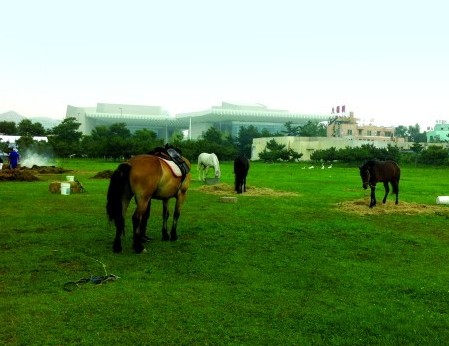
385, 60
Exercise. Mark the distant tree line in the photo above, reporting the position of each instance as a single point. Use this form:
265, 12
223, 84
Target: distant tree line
116, 142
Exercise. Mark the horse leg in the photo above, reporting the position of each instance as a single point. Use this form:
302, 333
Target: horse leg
179, 202
238, 184
244, 184
387, 190
119, 221
142, 204
373, 197
395, 185
143, 223
165, 216
119, 230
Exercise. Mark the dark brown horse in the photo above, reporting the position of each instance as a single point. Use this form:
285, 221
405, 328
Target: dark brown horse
241, 168
374, 171
145, 177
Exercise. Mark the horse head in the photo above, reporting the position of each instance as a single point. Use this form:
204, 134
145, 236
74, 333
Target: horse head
365, 175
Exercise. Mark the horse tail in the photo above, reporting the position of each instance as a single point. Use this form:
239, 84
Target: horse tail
118, 187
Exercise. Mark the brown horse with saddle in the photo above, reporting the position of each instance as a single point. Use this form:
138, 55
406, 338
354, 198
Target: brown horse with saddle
161, 174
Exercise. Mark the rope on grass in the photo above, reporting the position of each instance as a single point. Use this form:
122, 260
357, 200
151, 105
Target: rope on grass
98, 280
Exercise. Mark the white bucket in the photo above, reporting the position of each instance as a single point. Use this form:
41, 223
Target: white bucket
65, 189
70, 178
443, 200
1, 166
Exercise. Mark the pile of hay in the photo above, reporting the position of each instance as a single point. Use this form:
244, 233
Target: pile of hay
223, 189
361, 207
75, 187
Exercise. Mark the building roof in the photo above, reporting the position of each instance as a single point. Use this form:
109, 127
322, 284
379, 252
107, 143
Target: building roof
247, 113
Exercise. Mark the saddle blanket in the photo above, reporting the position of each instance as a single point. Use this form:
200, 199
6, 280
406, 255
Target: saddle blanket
173, 166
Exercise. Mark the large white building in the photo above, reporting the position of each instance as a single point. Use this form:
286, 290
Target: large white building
228, 117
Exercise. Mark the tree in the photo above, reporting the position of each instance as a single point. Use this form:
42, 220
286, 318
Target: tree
65, 139
415, 134
274, 152
412, 133
434, 155
8, 128
212, 135
417, 148
144, 140
245, 139
313, 129
27, 128
219, 143
401, 131
115, 140
291, 130
119, 130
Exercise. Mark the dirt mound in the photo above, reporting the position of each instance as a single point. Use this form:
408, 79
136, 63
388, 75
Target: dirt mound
360, 207
29, 174
46, 169
17, 175
103, 174
223, 189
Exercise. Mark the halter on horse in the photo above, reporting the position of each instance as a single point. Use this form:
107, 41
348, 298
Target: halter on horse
206, 160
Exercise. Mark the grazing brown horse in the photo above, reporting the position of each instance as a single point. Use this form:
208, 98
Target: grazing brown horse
145, 177
374, 171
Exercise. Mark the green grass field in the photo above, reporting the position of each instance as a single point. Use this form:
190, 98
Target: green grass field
315, 268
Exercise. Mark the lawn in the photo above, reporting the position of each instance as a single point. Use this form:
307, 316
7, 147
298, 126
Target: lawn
300, 259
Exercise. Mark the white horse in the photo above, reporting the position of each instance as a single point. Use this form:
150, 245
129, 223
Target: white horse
205, 161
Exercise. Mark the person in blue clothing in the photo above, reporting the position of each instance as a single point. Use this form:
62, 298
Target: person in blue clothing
14, 158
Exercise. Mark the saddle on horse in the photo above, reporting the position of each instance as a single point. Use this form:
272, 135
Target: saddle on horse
172, 154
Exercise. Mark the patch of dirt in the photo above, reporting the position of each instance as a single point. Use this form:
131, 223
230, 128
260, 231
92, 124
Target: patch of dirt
29, 174
223, 189
103, 174
361, 207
